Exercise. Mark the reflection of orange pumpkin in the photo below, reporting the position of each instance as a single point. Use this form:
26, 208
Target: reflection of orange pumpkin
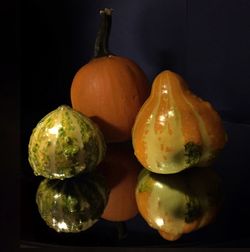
121, 169
110, 89
180, 203
175, 129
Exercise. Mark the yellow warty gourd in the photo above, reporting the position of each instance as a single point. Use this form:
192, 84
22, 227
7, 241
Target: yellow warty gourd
175, 129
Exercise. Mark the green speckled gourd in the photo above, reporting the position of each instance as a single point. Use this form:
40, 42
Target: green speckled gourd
175, 204
65, 143
72, 205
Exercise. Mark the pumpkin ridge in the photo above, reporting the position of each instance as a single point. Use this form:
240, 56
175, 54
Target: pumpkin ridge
206, 142
190, 127
79, 142
211, 126
55, 143
151, 122
139, 128
162, 107
95, 138
51, 155
175, 113
160, 163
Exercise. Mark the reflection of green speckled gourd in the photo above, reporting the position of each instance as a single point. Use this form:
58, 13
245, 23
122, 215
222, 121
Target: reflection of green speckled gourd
179, 203
65, 143
72, 205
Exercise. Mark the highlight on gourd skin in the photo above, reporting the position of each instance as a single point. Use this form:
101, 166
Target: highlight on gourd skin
65, 143
72, 205
175, 129
180, 203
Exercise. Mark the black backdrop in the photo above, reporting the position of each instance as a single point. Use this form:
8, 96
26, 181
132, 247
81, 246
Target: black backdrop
207, 42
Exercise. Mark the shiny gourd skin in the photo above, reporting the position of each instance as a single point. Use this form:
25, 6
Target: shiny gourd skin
64, 144
120, 169
72, 205
109, 89
175, 129
176, 204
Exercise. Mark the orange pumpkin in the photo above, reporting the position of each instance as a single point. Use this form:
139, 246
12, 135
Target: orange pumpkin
120, 168
109, 89
175, 129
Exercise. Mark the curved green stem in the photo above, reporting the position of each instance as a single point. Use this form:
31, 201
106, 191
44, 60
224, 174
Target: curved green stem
102, 38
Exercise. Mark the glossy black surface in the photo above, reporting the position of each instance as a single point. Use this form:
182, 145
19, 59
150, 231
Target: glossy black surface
231, 227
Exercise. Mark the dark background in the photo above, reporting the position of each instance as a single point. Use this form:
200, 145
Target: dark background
207, 42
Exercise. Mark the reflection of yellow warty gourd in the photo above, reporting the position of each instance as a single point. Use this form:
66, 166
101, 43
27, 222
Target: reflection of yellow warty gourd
175, 204
175, 129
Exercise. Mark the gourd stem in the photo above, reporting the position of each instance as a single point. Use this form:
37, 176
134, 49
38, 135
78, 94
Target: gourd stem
121, 229
102, 38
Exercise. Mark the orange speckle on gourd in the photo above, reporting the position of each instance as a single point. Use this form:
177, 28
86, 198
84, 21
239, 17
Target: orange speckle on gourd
173, 115
142, 203
180, 203
169, 236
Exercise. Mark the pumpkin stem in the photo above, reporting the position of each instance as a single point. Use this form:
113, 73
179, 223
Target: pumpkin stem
102, 38
121, 229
